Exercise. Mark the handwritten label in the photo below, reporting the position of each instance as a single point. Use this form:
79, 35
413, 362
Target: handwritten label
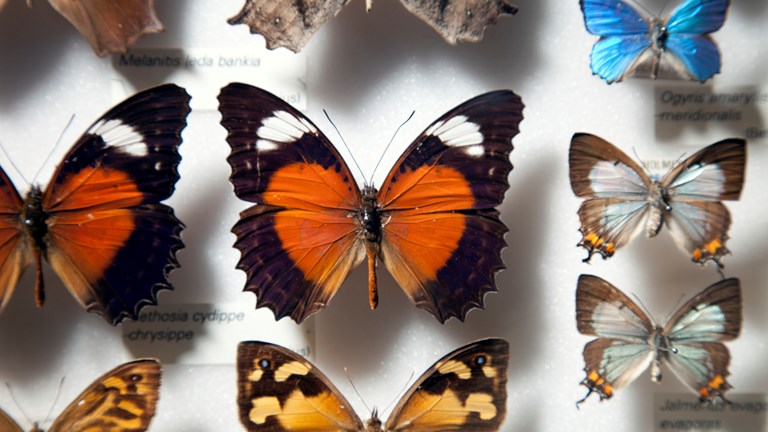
739, 112
684, 412
204, 71
209, 333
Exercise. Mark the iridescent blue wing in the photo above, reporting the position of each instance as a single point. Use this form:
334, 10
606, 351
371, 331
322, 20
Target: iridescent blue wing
688, 40
624, 37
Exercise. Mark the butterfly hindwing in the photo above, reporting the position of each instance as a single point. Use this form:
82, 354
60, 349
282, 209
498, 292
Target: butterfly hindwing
460, 20
290, 24
465, 390
110, 26
299, 243
280, 391
443, 238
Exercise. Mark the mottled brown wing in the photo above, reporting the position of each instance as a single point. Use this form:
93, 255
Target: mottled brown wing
460, 20
287, 23
122, 400
280, 391
466, 390
110, 26
6, 422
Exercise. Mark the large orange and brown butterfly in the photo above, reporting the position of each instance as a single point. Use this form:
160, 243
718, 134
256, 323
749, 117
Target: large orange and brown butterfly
290, 24
464, 391
121, 400
622, 200
110, 26
433, 223
99, 222
628, 341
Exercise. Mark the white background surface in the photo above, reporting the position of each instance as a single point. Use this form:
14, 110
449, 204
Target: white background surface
370, 72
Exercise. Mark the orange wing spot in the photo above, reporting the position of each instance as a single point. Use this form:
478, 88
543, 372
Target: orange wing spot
88, 191
309, 187
704, 393
716, 382
713, 246
429, 189
610, 248
608, 390
696, 254
594, 239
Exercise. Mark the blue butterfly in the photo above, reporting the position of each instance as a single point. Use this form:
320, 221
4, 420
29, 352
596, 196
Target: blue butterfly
629, 40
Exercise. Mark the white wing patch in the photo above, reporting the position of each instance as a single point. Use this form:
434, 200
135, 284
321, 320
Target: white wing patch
282, 127
121, 136
458, 131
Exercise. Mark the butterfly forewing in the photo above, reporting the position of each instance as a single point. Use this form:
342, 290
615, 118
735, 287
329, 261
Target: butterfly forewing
7, 424
463, 391
110, 26
280, 391
443, 238
109, 238
300, 243
14, 255
603, 310
122, 400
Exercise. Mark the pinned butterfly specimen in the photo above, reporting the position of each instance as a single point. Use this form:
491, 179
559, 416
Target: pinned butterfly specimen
110, 26
121, 400
630, 40
280, 391
628, 341
290, 24
621, 199
433, 222
99, 223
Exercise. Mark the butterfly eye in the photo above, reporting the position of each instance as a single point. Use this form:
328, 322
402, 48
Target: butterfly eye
264, 363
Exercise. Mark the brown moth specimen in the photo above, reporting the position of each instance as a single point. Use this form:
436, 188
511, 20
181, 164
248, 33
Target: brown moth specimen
110, 26
291, 23
280, 391
121, 400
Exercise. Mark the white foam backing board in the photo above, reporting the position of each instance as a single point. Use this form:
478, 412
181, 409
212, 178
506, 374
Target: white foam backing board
369, 71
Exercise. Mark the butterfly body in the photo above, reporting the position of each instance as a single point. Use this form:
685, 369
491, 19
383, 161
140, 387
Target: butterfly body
433, 221
628, 341
630, 41
280, 391
99, 222
621, 199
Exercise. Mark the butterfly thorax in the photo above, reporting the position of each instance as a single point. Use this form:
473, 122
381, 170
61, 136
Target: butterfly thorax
373, 424
370, 216
658, 204
35, 219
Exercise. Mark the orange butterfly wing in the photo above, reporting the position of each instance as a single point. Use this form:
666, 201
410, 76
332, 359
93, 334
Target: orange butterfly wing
100, 222
299, 242
14, 255
442, 237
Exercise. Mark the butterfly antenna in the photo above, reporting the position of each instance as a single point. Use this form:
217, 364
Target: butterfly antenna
15, 168
390, 143
645, 309
345, 144
55, 400
349, 378
50, 153
18, 407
